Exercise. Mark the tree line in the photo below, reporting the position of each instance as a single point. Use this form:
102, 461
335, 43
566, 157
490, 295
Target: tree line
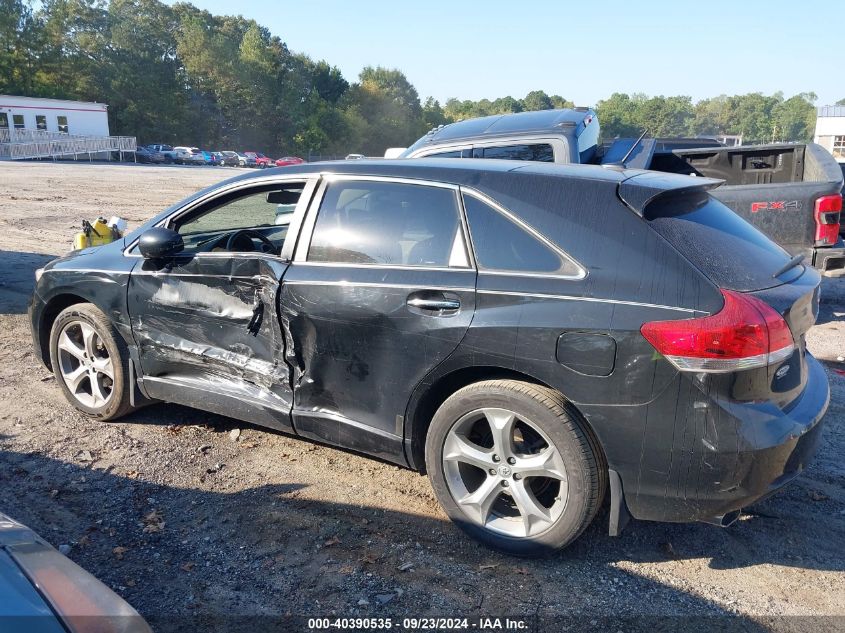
178, 74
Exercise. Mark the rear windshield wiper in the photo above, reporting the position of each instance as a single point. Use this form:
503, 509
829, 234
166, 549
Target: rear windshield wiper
792, 263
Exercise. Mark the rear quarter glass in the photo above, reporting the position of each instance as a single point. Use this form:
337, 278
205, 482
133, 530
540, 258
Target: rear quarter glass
728, 250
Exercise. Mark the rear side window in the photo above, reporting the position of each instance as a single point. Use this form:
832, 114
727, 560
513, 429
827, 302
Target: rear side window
503, 245
723, 246
388, 223
541, 152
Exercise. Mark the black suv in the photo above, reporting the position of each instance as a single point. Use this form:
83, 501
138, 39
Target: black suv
529, 335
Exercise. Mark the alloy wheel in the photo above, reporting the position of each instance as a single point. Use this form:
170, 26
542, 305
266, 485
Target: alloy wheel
85, 365
504, 473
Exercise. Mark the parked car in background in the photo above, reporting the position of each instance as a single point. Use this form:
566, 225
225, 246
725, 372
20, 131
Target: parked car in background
230, 158
196, 157
208, 158
246, 160
789, 191
533, 337
261, 161
355, 157
42, 590
288, 160
842, 191
184, 155
218, 158
158, 147
145, 154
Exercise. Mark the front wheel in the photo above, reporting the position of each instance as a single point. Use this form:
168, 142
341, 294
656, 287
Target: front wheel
513, 464
91, 362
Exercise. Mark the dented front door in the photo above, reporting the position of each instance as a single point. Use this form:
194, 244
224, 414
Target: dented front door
208, 334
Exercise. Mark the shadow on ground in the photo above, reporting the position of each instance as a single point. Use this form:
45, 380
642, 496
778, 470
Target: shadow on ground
17, 279
279, 553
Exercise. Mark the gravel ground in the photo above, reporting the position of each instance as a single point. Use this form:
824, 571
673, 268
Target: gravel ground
189, 515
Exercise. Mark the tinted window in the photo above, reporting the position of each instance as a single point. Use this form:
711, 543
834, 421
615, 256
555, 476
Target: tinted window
726, 248
539, 152
501, 244
4, 120
267, 211
41, 121
453, 154
61, 121
17, 119
385, 223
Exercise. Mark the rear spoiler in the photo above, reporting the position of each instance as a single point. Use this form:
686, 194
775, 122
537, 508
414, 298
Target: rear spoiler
644, 187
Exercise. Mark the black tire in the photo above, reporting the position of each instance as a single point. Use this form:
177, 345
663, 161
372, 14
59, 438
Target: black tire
546, 409
118, 402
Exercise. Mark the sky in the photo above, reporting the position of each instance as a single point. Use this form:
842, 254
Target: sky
583, 51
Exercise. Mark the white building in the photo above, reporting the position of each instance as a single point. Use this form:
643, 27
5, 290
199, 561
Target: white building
31, 127
830, 130
53, 115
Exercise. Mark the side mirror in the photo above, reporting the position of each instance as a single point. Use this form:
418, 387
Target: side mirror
159, 242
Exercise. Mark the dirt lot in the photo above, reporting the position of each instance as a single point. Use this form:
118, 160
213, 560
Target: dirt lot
185, 521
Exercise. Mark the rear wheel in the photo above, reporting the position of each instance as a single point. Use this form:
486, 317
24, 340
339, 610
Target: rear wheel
514, 465
90, 362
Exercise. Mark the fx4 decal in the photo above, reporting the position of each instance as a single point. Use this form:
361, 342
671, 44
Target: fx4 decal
779, 205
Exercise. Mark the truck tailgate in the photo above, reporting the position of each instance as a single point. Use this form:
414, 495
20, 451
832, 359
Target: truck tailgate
774, 187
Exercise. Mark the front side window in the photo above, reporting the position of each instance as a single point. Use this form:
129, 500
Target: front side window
252, 222
41, 121
17, 119
503, 245
61, 121
541, 152
387, 223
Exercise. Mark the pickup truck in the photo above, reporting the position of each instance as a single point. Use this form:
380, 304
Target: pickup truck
791, 192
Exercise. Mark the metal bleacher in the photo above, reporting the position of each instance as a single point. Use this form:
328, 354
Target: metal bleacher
26, 144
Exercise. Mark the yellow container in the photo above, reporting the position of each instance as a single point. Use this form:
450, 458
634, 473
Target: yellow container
95, 234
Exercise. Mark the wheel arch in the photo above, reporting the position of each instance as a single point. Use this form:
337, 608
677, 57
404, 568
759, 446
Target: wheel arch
429, 395
52, 308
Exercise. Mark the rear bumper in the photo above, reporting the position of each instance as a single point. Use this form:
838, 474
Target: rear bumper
830, 261
765, 449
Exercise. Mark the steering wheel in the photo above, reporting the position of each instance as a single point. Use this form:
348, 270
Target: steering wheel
239, 239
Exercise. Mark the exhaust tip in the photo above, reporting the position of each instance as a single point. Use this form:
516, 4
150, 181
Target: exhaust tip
724, 520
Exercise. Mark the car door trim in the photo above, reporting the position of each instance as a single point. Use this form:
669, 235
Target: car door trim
368, 284
541, 295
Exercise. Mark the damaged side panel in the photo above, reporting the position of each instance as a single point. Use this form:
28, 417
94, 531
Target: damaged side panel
209, 337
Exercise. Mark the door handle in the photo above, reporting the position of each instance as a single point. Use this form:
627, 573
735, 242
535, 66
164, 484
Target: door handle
434, 305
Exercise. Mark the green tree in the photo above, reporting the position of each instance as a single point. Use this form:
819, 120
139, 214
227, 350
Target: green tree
795, 118
432, 114
618, 116
559, 102
537, 100
21, 38
389, 105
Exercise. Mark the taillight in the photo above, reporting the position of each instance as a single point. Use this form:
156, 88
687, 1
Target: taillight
746, 333
827, 211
